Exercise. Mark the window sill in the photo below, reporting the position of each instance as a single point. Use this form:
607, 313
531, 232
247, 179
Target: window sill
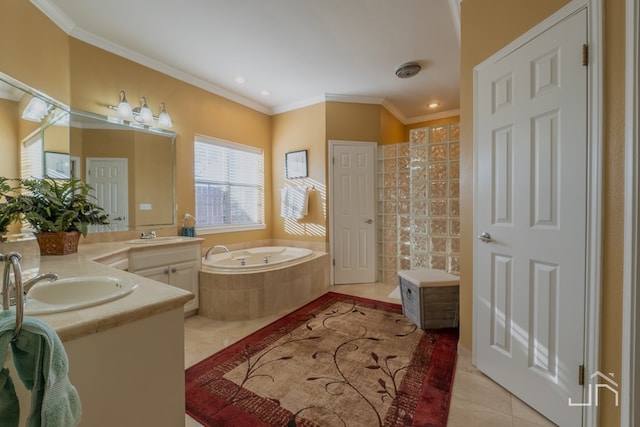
229, 228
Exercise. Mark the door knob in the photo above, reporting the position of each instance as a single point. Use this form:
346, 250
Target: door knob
484, 237
369, 221
118, 218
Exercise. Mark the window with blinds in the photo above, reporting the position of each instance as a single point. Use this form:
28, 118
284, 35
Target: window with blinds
31, 158
229, 186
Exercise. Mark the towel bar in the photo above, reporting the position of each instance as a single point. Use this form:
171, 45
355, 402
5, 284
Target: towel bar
12, 260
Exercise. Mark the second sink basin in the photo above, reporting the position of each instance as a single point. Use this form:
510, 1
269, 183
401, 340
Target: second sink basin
75, 293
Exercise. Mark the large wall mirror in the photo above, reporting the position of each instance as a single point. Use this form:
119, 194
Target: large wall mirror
130, 167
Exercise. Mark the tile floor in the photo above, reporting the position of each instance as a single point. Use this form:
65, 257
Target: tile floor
476, 400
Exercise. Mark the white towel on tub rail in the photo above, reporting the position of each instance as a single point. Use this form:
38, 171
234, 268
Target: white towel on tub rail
294, 202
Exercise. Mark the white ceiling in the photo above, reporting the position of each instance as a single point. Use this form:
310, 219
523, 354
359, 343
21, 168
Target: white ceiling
302, 51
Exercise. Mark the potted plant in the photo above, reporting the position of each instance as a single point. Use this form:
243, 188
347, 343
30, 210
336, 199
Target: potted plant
59, 210
9, 211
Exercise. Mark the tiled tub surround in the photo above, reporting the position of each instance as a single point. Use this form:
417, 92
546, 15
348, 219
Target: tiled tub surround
238, 295
117, 344
418, 202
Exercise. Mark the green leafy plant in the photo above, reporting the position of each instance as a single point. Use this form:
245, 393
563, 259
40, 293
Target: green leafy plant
9, 210
55, 205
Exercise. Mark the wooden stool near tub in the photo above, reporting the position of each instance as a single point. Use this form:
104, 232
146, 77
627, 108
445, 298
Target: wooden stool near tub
430, 298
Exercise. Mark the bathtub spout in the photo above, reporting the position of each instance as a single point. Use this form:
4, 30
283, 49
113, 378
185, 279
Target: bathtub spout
211, 249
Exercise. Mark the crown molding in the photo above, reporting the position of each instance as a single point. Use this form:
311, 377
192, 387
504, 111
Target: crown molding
434, 116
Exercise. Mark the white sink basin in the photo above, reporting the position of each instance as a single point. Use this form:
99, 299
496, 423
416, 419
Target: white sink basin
164, 239
75, 293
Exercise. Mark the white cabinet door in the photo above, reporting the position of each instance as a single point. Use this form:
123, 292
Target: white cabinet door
159, 274
175, 266
185, 276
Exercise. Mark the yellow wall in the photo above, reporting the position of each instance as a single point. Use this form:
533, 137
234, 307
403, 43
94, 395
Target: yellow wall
391, 129
34, 50
56, 139
353, 122
9, 165
154, 185
302, 129
487, 26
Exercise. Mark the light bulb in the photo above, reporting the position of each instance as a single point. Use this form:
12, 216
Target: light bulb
164, 119
146, 116
124, 109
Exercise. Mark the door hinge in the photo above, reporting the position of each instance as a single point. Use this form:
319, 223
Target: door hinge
585, 55
334, 262
581, 375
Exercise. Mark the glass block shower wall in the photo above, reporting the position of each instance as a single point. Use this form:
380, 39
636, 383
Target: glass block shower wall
419, 208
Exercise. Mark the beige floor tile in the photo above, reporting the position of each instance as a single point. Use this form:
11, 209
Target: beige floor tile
524, 415
464, 415
480, 391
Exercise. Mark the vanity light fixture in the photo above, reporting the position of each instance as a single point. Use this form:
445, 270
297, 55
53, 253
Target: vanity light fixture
141, 114
35, 110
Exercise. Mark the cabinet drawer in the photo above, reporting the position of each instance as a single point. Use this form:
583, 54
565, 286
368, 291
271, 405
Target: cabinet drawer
148, 258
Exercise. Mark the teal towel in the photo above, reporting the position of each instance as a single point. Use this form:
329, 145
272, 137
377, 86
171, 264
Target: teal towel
189, 231
43, 367
9, 406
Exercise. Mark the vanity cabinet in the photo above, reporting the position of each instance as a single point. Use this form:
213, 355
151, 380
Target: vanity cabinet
176, 266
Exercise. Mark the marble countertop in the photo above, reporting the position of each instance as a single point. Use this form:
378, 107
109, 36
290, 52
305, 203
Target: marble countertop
150, 298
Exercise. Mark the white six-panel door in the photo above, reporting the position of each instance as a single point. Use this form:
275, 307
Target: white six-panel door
353, 212
530, 260
108, 177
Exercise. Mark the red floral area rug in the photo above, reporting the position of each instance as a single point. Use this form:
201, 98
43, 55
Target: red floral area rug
338, 361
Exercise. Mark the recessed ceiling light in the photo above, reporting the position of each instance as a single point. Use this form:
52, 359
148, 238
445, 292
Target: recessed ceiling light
434, 105
240, 79
265, 92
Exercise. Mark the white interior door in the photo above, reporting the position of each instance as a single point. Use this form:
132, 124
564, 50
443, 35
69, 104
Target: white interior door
531, 201
353, 212
108, 177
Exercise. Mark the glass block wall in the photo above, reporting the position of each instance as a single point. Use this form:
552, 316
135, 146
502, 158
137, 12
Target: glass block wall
418, 188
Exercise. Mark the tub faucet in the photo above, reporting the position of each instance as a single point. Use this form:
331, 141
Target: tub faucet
266, 259
149, 235
206, 255
26, 287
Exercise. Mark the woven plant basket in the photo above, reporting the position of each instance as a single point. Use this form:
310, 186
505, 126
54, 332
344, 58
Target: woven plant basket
61, 243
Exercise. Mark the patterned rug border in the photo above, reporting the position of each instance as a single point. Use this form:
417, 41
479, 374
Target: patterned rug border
433, 386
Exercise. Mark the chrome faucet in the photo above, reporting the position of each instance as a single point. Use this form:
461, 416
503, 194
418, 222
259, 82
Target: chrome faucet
12, 261
206, 255
266, 259
26, 287
149, 235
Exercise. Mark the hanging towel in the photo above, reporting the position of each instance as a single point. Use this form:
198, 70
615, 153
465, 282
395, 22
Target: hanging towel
42, 365
294, 202
188, 230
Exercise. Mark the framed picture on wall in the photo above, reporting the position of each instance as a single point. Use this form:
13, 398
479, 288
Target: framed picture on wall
57, 165
296, 164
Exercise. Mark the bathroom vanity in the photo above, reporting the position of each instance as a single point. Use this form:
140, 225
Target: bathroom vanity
126, 357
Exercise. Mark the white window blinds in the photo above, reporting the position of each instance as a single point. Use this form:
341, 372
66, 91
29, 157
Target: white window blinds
31, 158
229, 183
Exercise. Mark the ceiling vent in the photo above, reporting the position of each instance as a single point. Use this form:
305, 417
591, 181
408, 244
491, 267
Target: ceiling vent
407, 70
